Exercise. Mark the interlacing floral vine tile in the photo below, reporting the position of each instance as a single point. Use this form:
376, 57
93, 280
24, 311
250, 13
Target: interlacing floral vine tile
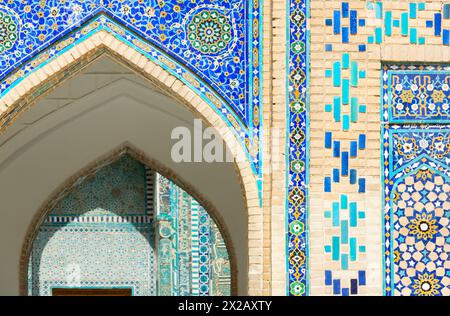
416, 160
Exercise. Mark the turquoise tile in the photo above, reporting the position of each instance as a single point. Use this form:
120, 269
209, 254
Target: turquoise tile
345, 61
379, 10
353, 215
345, 122
337, 74
378, 35
413, 10
345, 91
336, 248
344, 232
344, 201
388, 23
405, 24
354, 74
354, 110
413, 36
337, 109
353, 249
335, 210
344, 261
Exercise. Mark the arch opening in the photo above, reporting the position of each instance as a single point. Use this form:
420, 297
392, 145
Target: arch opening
82, 127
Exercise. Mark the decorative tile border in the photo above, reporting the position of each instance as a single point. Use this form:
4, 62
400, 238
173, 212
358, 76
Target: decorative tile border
297, 148
179, 30
416, 93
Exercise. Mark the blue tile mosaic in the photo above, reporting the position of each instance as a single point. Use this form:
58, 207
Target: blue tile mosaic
223, 67
342, 17
346, 82
178, 29
338, 288
345, 157
404, 23
417, 180
345, 216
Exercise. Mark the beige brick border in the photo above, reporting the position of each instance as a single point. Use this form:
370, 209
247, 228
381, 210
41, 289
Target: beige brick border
275, 51
40, 82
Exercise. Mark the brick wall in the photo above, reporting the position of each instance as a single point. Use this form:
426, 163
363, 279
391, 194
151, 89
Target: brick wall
349, 42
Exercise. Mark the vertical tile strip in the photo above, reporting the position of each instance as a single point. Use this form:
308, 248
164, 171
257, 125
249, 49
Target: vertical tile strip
194, 248
297, 149
150, 192
204, 247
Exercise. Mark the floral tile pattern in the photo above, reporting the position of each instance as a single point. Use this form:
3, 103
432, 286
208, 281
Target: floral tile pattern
297, 150
216, 46
416, 160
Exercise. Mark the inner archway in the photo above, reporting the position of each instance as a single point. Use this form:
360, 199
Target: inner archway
123, 226
82, 120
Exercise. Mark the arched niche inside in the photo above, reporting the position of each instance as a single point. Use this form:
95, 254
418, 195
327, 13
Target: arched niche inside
86, 117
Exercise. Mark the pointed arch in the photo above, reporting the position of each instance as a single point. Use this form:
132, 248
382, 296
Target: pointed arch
89, 41
45, 78
140, 156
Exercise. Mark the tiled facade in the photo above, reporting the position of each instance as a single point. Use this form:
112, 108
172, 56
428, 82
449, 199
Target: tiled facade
375, 94
345, 102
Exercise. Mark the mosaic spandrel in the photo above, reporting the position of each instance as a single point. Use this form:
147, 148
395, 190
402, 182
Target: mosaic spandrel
209, 37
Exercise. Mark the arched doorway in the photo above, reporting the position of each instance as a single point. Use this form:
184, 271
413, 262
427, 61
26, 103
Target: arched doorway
76, 124
123, 226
